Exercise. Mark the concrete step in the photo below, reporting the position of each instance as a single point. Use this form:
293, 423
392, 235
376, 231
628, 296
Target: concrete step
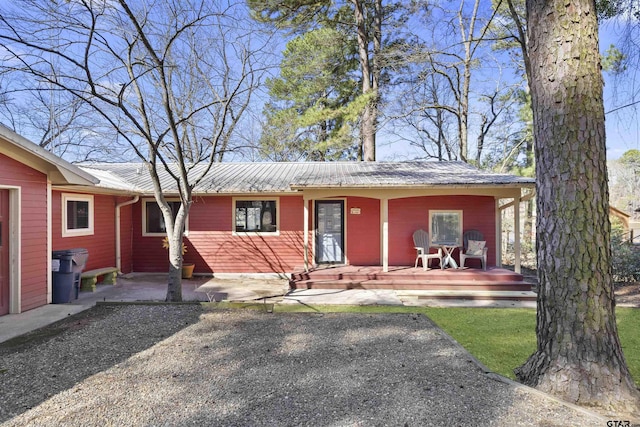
450, 274
468, 295
407, 284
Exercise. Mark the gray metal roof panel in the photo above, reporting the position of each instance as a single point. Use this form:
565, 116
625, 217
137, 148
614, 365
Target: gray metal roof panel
287, 177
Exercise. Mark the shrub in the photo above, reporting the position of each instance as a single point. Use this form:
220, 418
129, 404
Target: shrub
625, 261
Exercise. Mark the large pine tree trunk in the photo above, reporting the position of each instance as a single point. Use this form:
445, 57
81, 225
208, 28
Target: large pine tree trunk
578, 357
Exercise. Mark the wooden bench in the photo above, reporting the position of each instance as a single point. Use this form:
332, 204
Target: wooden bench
89, 278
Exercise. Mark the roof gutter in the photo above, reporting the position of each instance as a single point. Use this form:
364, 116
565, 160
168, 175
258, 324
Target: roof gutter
300, 187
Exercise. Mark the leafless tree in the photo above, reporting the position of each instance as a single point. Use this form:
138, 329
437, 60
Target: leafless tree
171, 77
53, 119
458, 97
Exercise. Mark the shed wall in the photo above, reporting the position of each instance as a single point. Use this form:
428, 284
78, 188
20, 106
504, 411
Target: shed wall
33, 192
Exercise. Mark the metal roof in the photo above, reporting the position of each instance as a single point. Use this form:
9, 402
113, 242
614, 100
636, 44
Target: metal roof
284, 177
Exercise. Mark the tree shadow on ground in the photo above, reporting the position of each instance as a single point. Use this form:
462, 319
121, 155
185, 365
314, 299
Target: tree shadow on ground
249, 367
47, 361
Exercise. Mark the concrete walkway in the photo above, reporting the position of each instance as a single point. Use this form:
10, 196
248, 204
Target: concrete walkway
152, 287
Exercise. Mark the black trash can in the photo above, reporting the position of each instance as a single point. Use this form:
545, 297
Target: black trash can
63, 275
67, 271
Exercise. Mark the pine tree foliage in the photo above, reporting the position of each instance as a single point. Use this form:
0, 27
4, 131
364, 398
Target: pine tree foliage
311, 106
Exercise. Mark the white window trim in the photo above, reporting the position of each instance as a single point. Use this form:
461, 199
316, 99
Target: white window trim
456, 211
144, 217
255, 233
72, 197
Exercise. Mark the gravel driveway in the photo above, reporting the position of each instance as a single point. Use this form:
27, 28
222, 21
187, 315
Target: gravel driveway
180, 365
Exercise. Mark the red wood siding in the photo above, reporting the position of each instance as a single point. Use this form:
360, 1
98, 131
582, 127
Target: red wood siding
410, 214
126, 236
363, 231
33, 185
212, 246
102, 244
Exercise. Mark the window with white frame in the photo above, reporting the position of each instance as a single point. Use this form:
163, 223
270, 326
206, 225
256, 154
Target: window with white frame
152, 219
256, 216
445, 227
77, 215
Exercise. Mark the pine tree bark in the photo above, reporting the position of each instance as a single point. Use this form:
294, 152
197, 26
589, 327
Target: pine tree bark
578, 357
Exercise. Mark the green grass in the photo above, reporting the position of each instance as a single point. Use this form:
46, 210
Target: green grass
500, 338
628, 322
503, 339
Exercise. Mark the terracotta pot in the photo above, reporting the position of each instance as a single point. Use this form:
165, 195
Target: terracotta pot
187, 270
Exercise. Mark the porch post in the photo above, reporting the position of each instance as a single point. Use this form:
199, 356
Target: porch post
498, 233
516, 234
305, 237
384, 232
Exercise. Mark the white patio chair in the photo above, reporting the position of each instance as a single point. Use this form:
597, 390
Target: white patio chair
474, 246
421, 245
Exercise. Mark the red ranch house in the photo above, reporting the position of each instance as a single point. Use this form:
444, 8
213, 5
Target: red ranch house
249, 218
266, 218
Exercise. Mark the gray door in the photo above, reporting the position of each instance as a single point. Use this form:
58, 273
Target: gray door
330, 232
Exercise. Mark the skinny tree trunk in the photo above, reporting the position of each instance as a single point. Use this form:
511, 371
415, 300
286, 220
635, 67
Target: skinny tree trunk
175, 232
467, 35
369, 115
578, 355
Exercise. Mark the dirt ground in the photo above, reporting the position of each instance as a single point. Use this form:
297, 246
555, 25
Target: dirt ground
628, 294
188, 365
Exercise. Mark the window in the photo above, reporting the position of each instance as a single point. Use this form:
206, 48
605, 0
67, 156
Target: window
446, 227
256, 216
77, 215
152, 219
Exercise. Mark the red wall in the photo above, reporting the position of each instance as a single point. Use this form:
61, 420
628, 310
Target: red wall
126, 237
363, 231
213, 248
101, 245
34, 254
410, 214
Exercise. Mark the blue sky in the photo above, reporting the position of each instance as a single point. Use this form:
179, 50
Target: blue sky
623, 127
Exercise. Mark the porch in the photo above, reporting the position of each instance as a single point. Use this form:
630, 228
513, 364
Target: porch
464, 283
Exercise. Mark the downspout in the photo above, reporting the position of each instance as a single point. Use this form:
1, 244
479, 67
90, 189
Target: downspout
118, 242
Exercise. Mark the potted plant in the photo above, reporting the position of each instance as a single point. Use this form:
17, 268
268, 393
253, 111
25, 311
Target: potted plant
187, 267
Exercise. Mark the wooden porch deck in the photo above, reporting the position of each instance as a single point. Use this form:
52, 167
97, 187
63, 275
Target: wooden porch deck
410, 278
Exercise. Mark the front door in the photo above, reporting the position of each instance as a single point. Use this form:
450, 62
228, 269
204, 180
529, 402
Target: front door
330, 232
4, 252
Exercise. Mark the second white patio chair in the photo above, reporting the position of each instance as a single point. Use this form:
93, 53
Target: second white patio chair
474, 247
